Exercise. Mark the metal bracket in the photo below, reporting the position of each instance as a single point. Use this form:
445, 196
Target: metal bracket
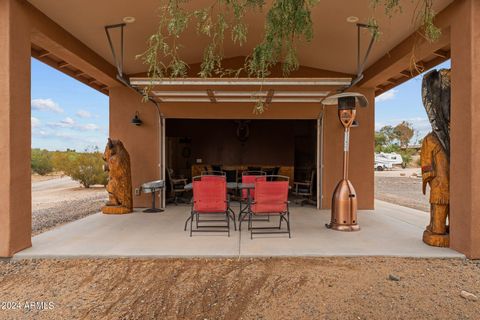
361, 64
118, 62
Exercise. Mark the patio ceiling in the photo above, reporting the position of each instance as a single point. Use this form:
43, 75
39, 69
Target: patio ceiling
218, 90
333, 47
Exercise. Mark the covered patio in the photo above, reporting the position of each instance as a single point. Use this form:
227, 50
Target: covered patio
70, 37
389, 230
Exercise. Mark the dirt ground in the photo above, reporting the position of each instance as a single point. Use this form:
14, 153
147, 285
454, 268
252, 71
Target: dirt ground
283, 288
60, 200
404, 190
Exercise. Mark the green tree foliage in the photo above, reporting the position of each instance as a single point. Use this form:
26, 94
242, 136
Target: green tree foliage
41, 162
424, 16
287, 22
395, 139
403, 133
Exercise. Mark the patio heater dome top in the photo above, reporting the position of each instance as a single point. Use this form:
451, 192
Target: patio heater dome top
360, 99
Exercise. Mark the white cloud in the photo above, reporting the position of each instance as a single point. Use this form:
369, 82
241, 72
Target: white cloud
35, 122
65, 123
69, 123
46, 105
89, 127
389, 95
83, 114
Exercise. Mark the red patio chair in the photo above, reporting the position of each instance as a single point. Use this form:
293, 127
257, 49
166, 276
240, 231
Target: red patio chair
210, 197
271, 198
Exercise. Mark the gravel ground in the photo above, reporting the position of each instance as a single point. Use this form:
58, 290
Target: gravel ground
284, 288
405, 191
65, 211
58, 201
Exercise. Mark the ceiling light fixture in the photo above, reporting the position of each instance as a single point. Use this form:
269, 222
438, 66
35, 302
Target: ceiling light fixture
352, 19
129, 19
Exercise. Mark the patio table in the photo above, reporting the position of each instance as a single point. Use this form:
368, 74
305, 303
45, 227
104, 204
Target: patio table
230, 186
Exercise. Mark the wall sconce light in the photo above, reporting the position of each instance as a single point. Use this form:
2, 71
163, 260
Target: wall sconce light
136, 120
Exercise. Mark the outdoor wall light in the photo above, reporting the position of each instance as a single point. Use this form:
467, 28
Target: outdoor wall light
136, 120
352, 19
129, 19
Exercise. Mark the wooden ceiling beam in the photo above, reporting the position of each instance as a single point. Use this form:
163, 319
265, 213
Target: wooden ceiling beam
442, 53
62, 64
406, 73
55, 64
43, 53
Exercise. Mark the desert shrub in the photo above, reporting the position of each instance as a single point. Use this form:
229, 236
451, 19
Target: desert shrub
41, 162
407, 155
86, 167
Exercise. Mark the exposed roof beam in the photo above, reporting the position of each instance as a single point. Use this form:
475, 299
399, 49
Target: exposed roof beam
221, 93
62, 64
399, 58
424, 66
241, 82
53, 38
442, 54
54, 64
239, 100
43, 53
79, 73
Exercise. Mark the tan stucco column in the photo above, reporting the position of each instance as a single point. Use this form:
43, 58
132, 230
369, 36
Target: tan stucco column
15, 131
465, 129
142, 142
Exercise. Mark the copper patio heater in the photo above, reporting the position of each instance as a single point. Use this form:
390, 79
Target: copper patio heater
344, 200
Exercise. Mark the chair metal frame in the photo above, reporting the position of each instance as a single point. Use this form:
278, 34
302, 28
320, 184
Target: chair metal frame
244, 201
212, 173
173, 182
195, 215
306, 196
283, 216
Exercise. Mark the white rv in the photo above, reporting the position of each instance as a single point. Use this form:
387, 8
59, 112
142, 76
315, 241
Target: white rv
384, 161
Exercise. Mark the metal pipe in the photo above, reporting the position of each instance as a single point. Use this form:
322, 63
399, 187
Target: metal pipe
126, 82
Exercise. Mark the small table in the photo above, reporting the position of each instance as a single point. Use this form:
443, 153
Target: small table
152, 187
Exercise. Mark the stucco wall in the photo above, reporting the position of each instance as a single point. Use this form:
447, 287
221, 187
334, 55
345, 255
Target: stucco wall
141, 142
15, 136
465, 121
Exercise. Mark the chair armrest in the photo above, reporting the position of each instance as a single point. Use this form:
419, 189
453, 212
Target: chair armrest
175, 181
302, 183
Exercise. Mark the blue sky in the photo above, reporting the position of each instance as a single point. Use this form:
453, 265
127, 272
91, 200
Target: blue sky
404, 103
68, 114
65, 112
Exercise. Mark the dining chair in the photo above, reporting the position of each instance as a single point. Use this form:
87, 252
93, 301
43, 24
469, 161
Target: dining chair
271, 198
210, 198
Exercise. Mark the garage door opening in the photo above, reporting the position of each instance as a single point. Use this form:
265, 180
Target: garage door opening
283, 147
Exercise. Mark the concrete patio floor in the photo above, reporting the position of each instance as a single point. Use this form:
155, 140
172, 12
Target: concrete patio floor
389, 230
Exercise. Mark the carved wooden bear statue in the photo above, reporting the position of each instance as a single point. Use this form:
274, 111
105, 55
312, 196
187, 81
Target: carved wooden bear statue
119, 178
